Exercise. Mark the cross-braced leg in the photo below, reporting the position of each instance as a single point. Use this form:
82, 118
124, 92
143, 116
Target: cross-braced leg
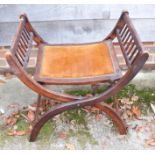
73, 105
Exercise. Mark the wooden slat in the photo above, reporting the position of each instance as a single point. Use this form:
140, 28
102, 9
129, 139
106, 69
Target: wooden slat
21, 49
130, 41
21, 54
132, 53
125, 35
122, 48
127, 38
123, 29
19, 58
135, 56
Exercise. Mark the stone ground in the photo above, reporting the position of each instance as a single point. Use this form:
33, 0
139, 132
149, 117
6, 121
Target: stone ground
91, 134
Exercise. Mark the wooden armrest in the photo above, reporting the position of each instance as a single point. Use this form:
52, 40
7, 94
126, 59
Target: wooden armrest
128, 39
119, 24
23, 40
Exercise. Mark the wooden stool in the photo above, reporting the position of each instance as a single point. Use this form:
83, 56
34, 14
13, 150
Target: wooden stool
77, 64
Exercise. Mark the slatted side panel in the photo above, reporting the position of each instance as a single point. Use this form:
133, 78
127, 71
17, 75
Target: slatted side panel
22, 46
128, 44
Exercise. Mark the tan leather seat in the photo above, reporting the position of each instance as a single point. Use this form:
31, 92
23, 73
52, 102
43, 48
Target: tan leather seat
71, 61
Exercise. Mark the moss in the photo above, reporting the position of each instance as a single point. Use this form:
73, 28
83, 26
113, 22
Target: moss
4, 138
146, 96
99, 90
78, 115
47, 132
83, 137
22, 125
88, 91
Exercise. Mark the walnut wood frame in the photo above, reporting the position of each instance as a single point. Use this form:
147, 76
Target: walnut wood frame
132, 50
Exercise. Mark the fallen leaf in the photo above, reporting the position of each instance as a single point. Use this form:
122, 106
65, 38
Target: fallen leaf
13, 106
126, 101
89, 95
62, 135
15, 113
134, 98
87, 108
140, 128
21, 133
31, 115
98, 117
70, 146
11, 133
129, 113
32, 108
136, 111
2, 81
8, 75
10, 121
17, 133
124, 115
95, 110
148, 143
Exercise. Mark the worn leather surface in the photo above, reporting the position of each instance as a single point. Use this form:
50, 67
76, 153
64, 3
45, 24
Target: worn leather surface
76, 60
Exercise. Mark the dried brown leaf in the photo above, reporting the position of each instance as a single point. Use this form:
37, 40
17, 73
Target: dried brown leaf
98, 117
149, 142
8, 75
32, 108
126, 101
21, 133
10, 121
17, 133
31, 115
136, 111
11, 133
70, 146
129, 113
95, 110
135, 98
124, 115
12, 106
89, 95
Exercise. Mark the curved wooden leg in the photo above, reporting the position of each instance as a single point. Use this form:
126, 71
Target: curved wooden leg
114, 116
48, 115
61, 108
